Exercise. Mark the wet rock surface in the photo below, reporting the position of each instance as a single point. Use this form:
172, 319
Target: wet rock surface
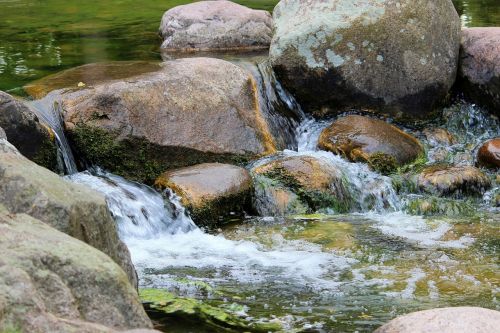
73, 209
363, 139
50, 282
23, 129
340, 46
215, 25
192, 111
210, 190
445, 320
297, 185
479, 68
489, 154
455, 181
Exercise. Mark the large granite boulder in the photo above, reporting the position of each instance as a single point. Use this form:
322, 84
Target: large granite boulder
215, 25
454, 181
50, 282
445, 320
395, 57
23, 129
489, 154
73, 209
363, 139
479, 68
299, 184
210, 190
192, 111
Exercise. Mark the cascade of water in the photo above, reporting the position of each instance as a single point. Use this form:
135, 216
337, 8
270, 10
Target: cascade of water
50, 113
140, 211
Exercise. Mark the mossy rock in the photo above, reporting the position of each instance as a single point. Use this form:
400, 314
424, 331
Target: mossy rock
439, 206
166, 307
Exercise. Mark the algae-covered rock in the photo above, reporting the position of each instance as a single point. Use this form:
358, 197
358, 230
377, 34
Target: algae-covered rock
455, 181
210, 190
73, 209
299, 184
429, 206
489, 154
51, 283
166, 307
88, 75
363, 139
479, 69
445, 320
192, 111
215, 25
23, 129
395, 57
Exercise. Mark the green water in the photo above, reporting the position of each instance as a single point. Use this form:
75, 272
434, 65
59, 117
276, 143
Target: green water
41, 37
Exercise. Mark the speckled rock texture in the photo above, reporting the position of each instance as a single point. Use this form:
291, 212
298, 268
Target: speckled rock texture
445, 320
70, 208
453, 181
480, 66
53, 283
193, 110
395, 57
210, 190
215, 25
23, 129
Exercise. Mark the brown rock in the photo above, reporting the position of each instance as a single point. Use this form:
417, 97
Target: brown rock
23, 129
209, 190
446, 180
479, 67
445, 320
360, 139
439, 137
193, 110
489, 154
215, 25
300, 184
89, 75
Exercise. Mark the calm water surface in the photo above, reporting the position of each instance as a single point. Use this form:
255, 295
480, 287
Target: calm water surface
41, 37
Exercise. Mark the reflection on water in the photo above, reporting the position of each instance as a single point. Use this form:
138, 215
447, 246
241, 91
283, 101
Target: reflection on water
38, 38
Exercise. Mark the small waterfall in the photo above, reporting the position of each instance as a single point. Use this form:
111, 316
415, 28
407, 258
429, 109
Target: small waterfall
50, 113
139, 211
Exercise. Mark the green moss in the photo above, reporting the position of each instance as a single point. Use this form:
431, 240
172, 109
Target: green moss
47, 155
415, 167
316, 200
440, 206
383, 163
165, 306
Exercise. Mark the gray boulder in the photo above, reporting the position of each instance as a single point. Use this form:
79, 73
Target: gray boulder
215, 25
73, 209
394, 57
480, 66
23, 129
50, 282
445, 320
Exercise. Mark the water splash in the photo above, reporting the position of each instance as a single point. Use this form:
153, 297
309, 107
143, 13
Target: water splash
139, 211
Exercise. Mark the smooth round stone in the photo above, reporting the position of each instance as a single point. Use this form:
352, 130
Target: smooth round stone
489, 154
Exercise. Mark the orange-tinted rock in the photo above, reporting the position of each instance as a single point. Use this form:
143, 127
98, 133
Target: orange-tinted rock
359, 138
456, 181
489, 154
209, 190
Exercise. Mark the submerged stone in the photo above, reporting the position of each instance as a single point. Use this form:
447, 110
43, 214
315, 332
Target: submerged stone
373, 141
445, 320
455, 181
210, 191
23, 129
164, 306
489, 154
299, 184
393, 57
215, 25
479, 68
53, 283
191, 111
